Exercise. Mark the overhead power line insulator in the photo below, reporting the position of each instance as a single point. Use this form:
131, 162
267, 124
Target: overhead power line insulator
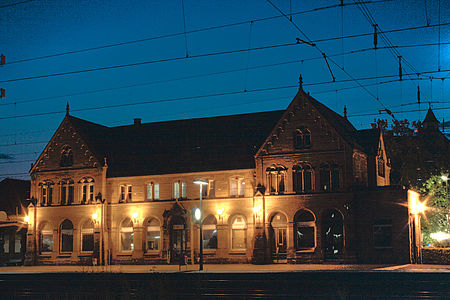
2, 93
2, 59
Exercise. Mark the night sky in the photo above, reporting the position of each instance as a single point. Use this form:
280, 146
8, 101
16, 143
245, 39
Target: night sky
198, 63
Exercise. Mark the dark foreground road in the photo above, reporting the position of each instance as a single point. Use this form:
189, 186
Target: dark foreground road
285, 285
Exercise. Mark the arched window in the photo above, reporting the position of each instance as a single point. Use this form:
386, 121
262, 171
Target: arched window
66, 156
126, 235
302, 138
87, 236
333, 234
46, 188
66, 236
46, 239
87, 190
238, 233
209, 234
329, 177
276, 178
302, 178
153, 235
380, 160
66, 191
279, 230
304, 230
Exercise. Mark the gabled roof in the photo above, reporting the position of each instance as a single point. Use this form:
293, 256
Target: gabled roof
368, 139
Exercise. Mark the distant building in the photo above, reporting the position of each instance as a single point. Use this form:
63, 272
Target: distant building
14, 195
298, 185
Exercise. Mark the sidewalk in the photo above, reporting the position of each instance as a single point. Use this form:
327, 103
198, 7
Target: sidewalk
232, 268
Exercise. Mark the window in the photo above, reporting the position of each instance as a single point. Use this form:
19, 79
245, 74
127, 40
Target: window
382, 234
87, 190
66, 156
153, 235
237, 187
278, 232
304, 230
17, 243
126, 235
66, 236
211, 189
87, 236
276, 177
156, 188
6, 238
129, 193
149, 192
176, 190
46, 239
126, 193
302, 138
238, 233
302, 178
183, 190
209, 233
329, 177
66, 191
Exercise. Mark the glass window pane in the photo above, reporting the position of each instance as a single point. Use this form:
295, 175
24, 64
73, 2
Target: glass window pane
176, 190
153, 238
308, 181
210, 238
6, 243
126, 241
47, 242
70, 198
242, 188
335, 179
149, 192
157, 191
67, 241
88, 242
305, 237
18, 243
184, 190
233, 188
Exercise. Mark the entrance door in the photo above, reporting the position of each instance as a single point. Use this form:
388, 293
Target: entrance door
333, 235
278, 237
177, 239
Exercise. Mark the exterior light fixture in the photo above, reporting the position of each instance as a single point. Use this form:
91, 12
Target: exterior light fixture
95, 218
27, 219
220, 211
440, 236
198, 213
135, 216
257, 209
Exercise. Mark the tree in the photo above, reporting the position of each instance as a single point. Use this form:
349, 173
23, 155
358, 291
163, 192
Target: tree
434, 192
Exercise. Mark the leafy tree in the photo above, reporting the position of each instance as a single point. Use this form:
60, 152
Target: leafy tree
435, 220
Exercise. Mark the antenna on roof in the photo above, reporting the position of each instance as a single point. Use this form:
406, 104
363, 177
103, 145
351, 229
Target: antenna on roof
67, 108
300, 83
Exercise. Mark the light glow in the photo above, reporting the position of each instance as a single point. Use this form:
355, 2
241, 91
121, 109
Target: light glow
257, 209
220, 211
27, 219
199, 181
440, 236
197, 214
134, 215
94, 216
444, 177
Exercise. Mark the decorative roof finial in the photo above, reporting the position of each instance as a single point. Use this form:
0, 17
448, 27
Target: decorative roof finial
67, 108
345, 111
300, 82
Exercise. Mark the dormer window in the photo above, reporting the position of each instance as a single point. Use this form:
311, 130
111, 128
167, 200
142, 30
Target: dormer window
302, 138
66, 157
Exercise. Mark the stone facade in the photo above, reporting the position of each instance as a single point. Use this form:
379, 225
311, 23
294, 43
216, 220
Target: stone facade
306, 189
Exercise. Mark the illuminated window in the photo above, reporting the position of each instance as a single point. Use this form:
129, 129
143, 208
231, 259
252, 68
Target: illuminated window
126, 193
129, 193
87, 236
46, 192
238, 233
209, 233
184, 190
211, 189
176, 190
304, 230
153, 235
126, 235
237, 187
46, 239
66, 236
18, 243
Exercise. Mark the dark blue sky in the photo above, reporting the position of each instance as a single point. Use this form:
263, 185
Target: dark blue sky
41, 28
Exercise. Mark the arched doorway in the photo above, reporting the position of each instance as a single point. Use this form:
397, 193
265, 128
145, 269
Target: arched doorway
278, 231
178, 238
333, 235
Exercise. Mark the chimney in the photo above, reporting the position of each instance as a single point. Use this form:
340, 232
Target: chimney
137, 121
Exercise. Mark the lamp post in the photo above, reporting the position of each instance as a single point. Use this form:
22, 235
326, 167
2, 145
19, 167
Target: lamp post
445, 178
201, 183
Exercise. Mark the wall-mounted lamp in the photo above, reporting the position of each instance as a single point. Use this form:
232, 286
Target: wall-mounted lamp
257, 209
27, 219
135, 216
95, 218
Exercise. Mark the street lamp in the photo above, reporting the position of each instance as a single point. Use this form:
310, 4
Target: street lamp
201, 183
445, 178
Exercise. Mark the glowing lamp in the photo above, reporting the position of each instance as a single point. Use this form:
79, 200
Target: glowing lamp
197, 214
27, 219
220, 211
440, 236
